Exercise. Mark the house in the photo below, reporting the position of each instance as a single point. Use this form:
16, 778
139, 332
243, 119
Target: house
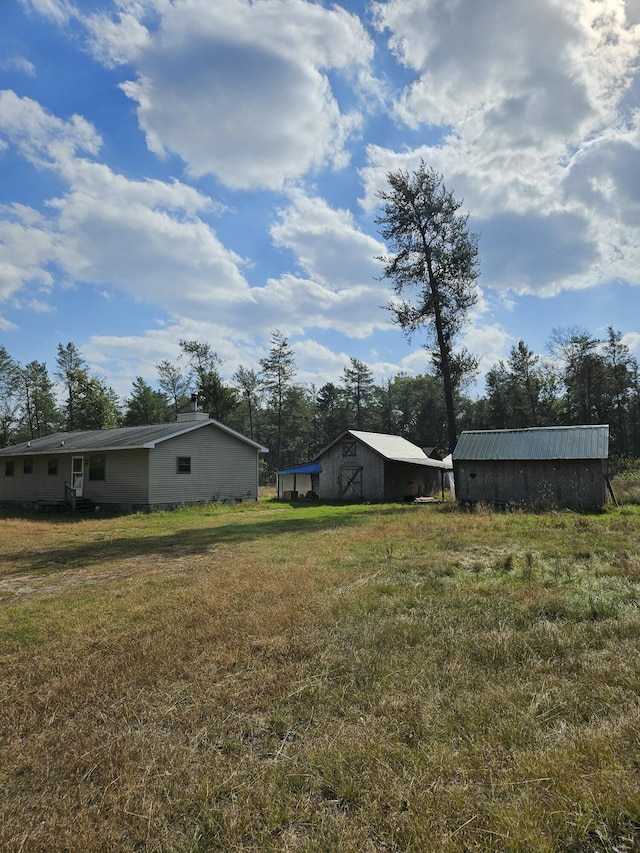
541, 466
367, 466
193, 460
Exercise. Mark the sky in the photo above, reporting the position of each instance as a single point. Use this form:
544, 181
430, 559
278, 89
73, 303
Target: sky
209, 170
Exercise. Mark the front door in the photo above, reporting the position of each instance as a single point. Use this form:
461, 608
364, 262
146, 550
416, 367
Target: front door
77, 475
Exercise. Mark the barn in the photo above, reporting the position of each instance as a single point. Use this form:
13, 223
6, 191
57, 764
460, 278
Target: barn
366, 466
537, 467
194, 460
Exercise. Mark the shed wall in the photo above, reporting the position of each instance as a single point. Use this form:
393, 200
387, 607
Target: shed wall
402, 480
337, 468
579, 484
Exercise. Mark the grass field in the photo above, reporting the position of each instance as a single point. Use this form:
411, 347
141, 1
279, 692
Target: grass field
321, 678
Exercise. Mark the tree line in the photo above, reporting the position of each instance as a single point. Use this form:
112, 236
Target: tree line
433, 266
584, 380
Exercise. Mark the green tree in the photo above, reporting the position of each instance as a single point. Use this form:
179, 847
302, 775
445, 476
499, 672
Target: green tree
277, 373
331, 414
584, 374
249, 387
357, 391
10, 382
40, 415
90, 403
176, 385
146, 406
71, 370
98, 406
622, 368
433, 258
214, 396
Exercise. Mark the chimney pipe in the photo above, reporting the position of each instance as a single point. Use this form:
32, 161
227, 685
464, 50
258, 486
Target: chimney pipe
194, 402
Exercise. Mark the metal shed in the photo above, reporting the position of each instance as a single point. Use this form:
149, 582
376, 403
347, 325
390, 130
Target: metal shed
541, 466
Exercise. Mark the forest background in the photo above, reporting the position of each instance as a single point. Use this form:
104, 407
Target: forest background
583, 380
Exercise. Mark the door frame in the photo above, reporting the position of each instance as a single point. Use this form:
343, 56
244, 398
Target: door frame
77, 477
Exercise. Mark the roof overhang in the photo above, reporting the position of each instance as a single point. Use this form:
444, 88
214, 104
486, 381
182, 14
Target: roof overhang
308, 468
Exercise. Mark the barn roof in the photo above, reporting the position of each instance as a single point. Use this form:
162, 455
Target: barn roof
120, 438
536, 443
392, 447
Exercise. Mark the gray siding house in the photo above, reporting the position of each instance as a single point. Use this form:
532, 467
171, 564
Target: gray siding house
538, 467
194, 460
366, 466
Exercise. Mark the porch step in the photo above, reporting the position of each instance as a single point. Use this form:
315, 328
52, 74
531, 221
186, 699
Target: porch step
84, 505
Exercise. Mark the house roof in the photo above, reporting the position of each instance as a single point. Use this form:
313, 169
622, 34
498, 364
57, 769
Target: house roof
392, 447
536, 443
121, 438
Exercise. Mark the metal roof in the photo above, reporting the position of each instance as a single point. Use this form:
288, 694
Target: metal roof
536, 443
121, 438
392, 447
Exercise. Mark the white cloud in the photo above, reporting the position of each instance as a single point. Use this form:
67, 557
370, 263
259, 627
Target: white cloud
328, 244
540, 142
239, 89
18, 63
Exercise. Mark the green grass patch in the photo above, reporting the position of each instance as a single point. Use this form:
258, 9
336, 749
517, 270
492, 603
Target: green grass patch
277, 677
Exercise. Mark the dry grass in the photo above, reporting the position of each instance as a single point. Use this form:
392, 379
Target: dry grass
269, 678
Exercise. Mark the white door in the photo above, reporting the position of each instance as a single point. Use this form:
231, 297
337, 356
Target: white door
77, 475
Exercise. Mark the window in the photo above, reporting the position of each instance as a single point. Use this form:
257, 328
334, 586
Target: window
184, 464
97, 466
52, 467
349, 447
27, 466
9, 468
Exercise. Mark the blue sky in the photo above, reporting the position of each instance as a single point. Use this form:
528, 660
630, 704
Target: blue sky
209, 170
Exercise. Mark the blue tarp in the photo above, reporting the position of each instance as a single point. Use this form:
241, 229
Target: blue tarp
309, 468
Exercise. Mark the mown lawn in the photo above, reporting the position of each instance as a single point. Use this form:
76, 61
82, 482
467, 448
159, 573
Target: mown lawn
321, 678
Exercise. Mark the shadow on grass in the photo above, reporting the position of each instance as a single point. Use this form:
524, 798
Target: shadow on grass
188, 540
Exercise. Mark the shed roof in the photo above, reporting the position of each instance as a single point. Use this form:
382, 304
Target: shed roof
392, 447
120, 438
308, 468
536, 443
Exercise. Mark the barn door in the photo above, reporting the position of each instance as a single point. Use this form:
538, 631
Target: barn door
351, 483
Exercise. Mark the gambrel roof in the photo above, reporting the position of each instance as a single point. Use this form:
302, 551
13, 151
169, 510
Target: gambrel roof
535, 443
120, 438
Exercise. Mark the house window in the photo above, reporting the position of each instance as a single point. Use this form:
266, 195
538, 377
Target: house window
27, 466
349, 448
52, 467
184, 465
97, 466
9, 468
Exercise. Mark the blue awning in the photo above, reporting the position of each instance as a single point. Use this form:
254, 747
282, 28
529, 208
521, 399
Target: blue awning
309, 468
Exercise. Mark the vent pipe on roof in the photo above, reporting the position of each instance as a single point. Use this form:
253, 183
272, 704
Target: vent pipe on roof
194, 402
